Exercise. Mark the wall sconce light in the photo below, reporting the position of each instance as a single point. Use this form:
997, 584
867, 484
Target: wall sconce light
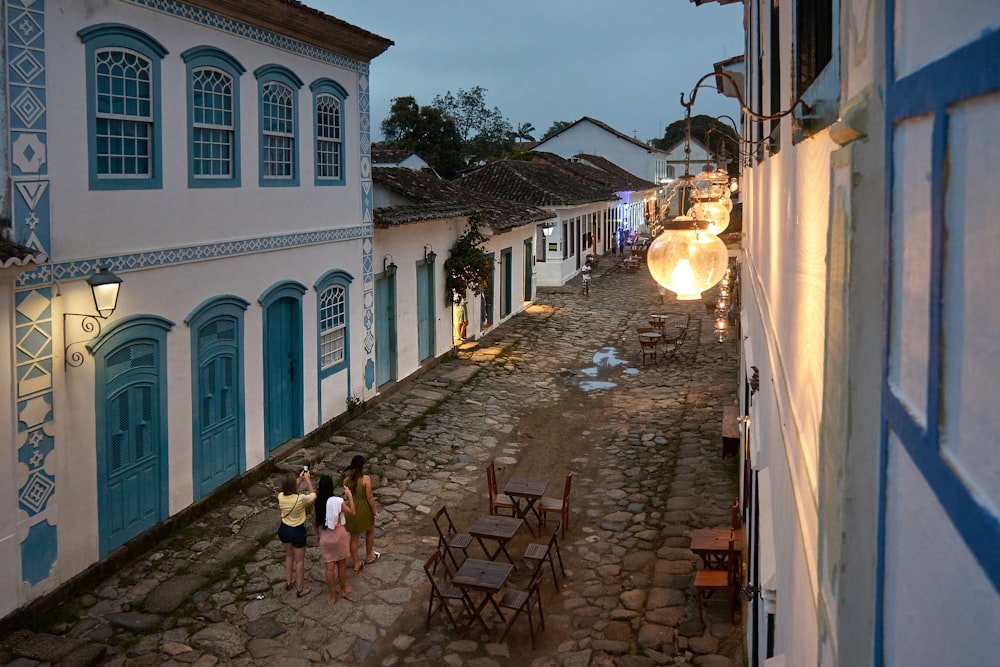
429, 254
388, 266
548, 228
104, 287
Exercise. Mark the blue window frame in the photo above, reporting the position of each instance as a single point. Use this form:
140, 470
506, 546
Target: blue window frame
277, 89
123, 108
333, 321
328, 122
213, 93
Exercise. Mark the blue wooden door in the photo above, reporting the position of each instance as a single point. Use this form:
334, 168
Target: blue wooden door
130, 457
507, 267
529, 265
385, 329
282, 371
217, 411
425, 311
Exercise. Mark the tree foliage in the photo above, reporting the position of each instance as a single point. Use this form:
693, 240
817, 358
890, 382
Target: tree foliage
709, 131
468, 265
427, 132
486, 134
524, 132
556, 128
715, 135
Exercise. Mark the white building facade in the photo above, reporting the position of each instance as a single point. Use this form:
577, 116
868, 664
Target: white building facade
217, 161
588, 135
871, 491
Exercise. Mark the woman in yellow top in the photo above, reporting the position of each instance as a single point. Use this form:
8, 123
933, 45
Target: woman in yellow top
292, 531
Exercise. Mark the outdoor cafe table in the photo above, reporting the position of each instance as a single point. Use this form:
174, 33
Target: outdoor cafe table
498, 528
659, 321
530, 490
712, 546
482, 576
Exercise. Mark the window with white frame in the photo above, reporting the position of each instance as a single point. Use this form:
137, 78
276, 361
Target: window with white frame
278, 90
123, 79
213, 118
328, 121
328, 140
332, 325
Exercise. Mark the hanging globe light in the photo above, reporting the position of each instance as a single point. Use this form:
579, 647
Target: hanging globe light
713, 211
686, 259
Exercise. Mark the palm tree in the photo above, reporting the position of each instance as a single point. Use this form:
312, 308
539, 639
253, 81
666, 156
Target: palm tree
524, 132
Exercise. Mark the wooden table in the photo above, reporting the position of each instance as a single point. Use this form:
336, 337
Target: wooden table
482, 576
530, 490
498, 528
712, 546
659, 321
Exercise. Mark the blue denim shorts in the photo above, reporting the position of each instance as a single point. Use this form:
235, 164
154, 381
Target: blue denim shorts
296, 535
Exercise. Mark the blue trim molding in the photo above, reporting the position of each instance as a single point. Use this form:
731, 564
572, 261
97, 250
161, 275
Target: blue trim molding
932, 91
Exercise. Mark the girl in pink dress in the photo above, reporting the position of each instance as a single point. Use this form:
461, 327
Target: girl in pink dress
334, 542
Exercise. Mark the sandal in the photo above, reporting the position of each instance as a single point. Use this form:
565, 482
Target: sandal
288, 587
304, 592
357, 566
376, 556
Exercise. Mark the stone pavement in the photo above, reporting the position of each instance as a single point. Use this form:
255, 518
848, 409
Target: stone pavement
560, 387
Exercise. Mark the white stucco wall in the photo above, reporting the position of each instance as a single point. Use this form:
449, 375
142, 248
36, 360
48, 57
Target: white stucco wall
585, 137
102, 223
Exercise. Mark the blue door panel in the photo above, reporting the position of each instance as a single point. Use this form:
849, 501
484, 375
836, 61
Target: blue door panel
385, 329
425, 311
283, 377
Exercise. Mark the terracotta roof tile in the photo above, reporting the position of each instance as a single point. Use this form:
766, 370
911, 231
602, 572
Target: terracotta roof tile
435, 198
539, 183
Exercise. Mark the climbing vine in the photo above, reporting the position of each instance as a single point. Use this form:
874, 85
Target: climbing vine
468, 266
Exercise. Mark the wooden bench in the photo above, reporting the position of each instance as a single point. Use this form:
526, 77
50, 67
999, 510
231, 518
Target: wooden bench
730, 431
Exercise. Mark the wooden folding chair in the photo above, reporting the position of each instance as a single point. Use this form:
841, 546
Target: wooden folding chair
707, 582
444, 593
499, 502
525, 601
540, 553
449, 538
558, 506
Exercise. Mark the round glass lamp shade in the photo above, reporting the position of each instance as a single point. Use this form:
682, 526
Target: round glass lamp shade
713, 212
687, 262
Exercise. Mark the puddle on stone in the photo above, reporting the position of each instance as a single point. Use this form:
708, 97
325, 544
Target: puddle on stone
607, 364
594, 385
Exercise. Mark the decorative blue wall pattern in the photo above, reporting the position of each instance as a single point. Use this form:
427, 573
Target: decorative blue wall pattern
33, 308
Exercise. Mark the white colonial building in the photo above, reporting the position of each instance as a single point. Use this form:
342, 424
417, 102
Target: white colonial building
214, 156
868, 333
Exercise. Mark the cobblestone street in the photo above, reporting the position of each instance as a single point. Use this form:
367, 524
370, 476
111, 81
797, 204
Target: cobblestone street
558, 388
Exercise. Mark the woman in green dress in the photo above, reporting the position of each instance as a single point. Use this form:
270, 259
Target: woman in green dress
366, 512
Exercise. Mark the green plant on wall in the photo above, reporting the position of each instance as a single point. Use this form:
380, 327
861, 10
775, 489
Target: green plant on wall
468, 266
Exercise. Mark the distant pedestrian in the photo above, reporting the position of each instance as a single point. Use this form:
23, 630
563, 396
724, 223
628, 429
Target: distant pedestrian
292, 529
586, 271
365, 512
334, 542
460, 315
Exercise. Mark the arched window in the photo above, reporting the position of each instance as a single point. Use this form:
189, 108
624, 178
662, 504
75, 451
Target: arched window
123, 107
328, 119
277, 110
333, 321
213, 80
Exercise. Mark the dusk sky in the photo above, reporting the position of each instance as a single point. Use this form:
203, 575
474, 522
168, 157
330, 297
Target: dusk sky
624, 63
